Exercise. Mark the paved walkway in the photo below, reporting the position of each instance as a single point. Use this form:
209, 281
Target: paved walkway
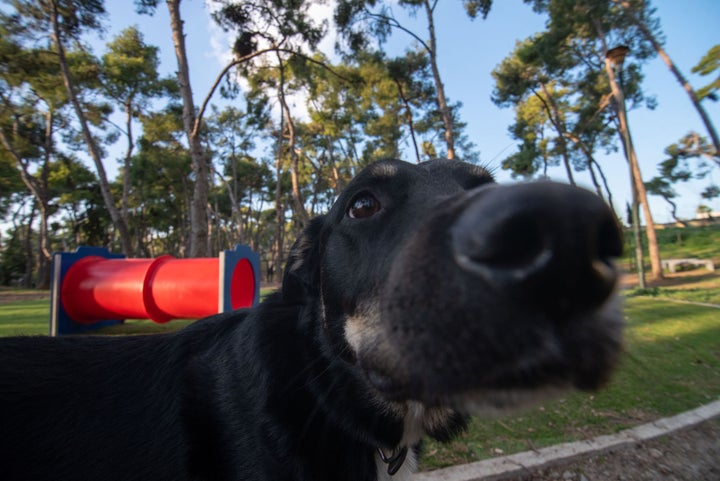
519, 463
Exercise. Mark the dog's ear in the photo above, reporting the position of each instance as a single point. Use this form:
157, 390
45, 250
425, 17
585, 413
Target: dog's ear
302, 270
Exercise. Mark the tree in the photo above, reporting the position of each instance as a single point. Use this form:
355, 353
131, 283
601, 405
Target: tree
68, 21
33, 101
232, 133
77, 196
639, 190
641, 14
10, 183
527, 73
288, 17
356, 19
25, 133
199, 245
281, 23
676, 168
160, 173
130, 77
560, 109
63, 22
192, 118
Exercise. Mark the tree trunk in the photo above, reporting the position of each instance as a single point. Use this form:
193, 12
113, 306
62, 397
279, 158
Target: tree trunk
639, 258
590, 162
234, 204
126, 164
635, 174
294, 158
678, 75
277, 254
439, 87
38, 189
93, 149
605, 183
408, 114
236, 207
556, 119
592, 165
199, 204
27, 245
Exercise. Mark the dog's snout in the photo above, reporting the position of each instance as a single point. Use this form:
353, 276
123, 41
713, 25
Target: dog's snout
547, 243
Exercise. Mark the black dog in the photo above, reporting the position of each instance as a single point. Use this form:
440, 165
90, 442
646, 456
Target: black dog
426, 293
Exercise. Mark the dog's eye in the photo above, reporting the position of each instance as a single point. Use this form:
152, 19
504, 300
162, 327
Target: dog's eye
363, 206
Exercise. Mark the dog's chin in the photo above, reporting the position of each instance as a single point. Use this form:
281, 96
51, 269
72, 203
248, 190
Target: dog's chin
489, 403
482, 402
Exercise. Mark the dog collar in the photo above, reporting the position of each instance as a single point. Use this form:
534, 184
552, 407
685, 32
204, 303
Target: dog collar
394, 460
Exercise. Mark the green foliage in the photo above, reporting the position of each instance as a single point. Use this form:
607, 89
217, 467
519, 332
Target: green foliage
262, 23
556, 82
477, 7
681, 242
678, 168
75, 17
14, 257
129, 70
709, 64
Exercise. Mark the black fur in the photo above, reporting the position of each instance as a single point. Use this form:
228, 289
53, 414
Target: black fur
376, 317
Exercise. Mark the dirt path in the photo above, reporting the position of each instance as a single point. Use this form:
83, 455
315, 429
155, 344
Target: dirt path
12, 295
690, 454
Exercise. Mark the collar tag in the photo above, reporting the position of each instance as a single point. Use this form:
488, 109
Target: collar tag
395, 460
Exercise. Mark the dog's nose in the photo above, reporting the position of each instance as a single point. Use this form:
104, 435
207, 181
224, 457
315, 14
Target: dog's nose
548, 244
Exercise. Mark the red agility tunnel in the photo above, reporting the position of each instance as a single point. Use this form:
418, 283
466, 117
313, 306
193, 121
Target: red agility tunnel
96, 288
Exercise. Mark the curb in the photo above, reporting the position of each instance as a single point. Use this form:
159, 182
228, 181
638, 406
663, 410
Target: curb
515, 464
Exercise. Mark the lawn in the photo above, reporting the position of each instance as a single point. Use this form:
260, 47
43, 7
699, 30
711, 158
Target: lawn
677, 243
32, 317
672, 364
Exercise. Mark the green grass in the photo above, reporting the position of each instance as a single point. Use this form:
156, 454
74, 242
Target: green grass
24, 317
672, 364
678, 243
701, 287
33, 318
702, 242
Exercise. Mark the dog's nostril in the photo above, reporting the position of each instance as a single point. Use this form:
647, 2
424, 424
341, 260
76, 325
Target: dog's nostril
512, 242
609, 238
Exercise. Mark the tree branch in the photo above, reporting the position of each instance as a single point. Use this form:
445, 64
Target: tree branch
395, 24
241, 60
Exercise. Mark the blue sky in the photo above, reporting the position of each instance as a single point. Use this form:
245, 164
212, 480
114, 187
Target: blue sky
467, 53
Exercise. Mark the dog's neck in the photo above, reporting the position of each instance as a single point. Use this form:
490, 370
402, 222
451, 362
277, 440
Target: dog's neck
400, 463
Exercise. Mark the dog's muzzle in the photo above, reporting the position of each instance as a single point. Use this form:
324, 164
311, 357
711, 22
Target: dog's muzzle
500, 294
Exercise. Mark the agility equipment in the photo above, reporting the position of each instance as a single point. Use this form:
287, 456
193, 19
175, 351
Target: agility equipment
93, 288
